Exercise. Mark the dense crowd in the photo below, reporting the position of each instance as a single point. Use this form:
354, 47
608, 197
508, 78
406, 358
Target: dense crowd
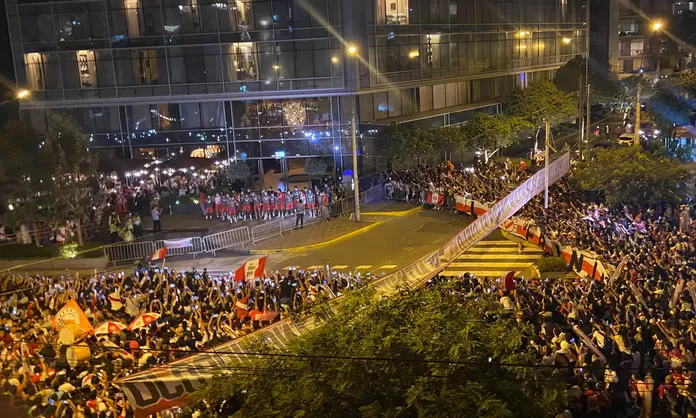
642, 325
139, 320
626, 347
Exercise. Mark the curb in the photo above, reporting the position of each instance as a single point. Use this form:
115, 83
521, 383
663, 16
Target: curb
318, 245
400, 213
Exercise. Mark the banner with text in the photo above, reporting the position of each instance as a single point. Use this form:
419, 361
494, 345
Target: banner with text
503, 210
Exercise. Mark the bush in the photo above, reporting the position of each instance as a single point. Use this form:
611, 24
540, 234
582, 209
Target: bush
31, 251
551, 264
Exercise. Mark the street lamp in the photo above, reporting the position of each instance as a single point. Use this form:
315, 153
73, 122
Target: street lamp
656, 26
19, 95
353, 51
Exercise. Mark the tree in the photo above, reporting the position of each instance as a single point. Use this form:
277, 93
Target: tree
404, 145
630, 175
23, 169
668, 108
73, 168
571, 76
490, 132
434, 355
687, 78
238, 171
316, 168
541, 101
448, 140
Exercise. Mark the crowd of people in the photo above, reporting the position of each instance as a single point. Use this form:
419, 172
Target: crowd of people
139, 320
626, 346
642, 325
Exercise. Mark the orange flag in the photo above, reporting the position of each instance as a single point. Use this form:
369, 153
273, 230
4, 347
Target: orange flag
71, 313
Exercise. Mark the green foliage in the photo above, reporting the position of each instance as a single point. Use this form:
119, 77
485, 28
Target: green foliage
630, 175
490, 132
73, 167
418, 332
238, 171
551, 264
405, 145
542, 101
570, 78
668, 108
316, 168
22, 252
687, 78
23, 169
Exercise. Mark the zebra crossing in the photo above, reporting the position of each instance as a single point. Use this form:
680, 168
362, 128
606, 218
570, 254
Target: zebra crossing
493, 259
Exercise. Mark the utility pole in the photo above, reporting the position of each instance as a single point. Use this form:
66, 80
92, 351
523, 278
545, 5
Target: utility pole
354, 128
546, 163
636, 127
589, 117
581, 106
587, 78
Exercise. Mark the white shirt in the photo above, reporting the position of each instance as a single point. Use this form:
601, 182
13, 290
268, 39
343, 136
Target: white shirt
155, 214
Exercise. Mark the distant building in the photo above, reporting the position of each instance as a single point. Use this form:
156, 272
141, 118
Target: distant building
270, 82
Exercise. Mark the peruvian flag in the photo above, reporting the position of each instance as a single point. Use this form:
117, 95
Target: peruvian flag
435, 198
159, 254
251, 269
509, 281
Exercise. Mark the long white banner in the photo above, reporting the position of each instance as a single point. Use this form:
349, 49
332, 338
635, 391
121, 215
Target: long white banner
504, 209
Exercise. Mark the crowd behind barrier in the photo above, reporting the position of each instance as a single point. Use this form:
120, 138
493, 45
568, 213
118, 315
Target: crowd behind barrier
626, 338
136, 320
624, 344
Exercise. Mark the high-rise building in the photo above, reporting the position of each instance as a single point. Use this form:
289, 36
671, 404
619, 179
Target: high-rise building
639, 39
271, 82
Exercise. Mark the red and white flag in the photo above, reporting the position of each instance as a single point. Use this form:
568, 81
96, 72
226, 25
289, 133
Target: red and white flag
509, 281
435, 198
159, 254
251, 269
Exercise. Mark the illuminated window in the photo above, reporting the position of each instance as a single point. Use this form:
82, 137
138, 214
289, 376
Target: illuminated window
34, 63
86, 68
392, 12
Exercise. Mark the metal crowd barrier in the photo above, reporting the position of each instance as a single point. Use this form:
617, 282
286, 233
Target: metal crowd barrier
182, 246
227, 239
130, 251
267, 230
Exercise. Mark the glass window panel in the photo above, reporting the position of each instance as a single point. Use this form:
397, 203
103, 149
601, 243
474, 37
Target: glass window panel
245, 114
367, 112
190, 115
394, 103
439, 96
381, 106
139, 118
212, 114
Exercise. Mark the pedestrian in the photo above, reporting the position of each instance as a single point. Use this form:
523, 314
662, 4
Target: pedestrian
299, 210
137, 226
156, 225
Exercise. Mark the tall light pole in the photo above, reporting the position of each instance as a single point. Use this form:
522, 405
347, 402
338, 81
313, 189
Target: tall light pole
353, 51
19, 95
656, 26
585, 120
547, 134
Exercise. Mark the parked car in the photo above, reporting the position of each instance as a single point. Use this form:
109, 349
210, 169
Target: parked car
625, 139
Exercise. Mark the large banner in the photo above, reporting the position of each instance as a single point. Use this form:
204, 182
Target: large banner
507, 207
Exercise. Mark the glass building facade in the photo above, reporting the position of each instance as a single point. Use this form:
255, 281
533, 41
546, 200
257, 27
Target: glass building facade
264, 80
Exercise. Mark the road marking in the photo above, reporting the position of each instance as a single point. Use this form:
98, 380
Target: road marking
313, 267
339, 267
388, 266
363, 267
